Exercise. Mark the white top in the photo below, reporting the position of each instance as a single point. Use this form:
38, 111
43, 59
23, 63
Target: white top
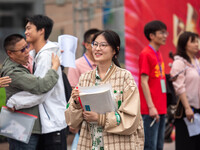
52, 104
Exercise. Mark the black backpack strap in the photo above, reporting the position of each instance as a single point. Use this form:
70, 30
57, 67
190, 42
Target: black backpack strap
67, 86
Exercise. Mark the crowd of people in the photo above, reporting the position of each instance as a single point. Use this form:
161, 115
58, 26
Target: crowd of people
32, 77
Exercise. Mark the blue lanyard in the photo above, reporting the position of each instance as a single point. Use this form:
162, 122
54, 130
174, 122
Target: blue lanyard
88, 62
159, 60
197, 65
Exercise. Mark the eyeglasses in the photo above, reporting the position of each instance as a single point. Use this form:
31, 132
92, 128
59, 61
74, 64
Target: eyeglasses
22, 50
101, 45
164, 33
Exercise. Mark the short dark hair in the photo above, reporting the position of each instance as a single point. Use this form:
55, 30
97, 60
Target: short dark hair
182, 42
113, 40
41, 21
152, 27
88, 33
11, 40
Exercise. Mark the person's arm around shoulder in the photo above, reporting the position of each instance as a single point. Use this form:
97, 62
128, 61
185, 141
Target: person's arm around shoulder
145, 88
30, 100
55, 62
37, 85
51, 77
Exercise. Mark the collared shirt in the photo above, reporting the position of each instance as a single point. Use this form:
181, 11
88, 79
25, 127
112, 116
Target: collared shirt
29, 66
98, 78
82, 66
188, 81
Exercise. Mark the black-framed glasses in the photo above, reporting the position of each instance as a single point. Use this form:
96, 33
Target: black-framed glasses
22, 50
101, 45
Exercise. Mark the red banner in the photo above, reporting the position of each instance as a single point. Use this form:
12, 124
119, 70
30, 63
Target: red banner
178, 15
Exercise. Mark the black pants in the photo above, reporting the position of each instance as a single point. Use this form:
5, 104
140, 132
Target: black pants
183, 141
53, 141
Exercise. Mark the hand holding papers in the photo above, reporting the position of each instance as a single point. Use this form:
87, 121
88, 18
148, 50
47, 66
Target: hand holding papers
97, 98
16, 125
193, 127
68, 43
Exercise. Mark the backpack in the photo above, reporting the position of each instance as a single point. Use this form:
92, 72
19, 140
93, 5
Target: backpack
171, 95
67, 86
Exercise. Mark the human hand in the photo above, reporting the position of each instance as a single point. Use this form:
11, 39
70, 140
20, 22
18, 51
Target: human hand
11, 109
55, 62
4, 81
73, 130
75, 94
189, 114
173, 78
154, 113
90, 116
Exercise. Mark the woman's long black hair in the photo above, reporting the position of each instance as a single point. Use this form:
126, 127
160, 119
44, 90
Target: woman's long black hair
182, 42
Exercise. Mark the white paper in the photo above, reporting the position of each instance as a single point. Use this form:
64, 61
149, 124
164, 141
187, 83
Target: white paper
68, 43
98, 98
193, 128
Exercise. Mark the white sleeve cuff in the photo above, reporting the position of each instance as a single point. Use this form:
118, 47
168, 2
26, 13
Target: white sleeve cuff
10, 105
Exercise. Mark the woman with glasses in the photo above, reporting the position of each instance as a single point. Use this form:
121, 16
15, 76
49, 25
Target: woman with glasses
120, 129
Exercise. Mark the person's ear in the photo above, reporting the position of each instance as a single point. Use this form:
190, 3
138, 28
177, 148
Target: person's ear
41, 31
87, 45
118, 48
9, 53
114, 52
151, 36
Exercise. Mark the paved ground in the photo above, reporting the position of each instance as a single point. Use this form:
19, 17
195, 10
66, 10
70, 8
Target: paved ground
167, 146
4, 146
